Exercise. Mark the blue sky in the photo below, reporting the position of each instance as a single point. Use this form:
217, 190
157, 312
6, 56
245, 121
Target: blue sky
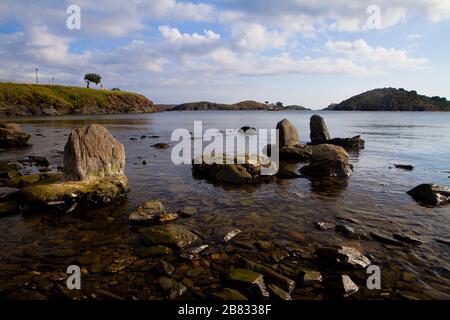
305, 52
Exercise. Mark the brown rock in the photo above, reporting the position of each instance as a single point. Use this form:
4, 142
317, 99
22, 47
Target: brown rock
11, 136
319, 131
328, 161
91, 153
288, 133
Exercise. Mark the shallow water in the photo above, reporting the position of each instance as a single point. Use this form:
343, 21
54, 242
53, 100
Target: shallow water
282, 212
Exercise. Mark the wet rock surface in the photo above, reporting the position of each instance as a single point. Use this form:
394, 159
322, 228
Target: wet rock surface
12, 136
431, 194
173, 235
319, 131
328, 161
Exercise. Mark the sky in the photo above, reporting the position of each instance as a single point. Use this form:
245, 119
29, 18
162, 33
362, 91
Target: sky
304, 52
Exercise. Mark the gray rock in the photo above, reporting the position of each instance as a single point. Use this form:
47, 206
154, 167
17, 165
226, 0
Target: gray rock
386, 239
278, 293
407, 239
311, 277
341, 228
348, 286
354, 143
325, 226
92, 153
251, 281
318, 130
431, 194
149, 211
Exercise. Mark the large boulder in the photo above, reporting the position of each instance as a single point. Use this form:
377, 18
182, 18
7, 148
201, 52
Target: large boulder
354, 143
12, 136
319, 131
288, 133
328, 161
91, 153
431, 194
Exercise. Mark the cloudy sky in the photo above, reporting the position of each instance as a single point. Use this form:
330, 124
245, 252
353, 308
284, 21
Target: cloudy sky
306, 52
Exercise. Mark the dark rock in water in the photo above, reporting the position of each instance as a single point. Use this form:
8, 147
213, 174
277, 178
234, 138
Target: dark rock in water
172, 235
298, 152
149, 211
91, 153
311, 277
278, 293
271, 275
8, 199
241, 169
288, 171
328, 161
172, 288
248, 130
39, 160
288, 134
11, 136
250, 281
385, 239
443, 241
404, 166
160, 146
325, 226
230, 235
318, 130
431, 194
45, 169
165, 268
407, 239
188, 211
229, 294
279, 255
343, 286
344, 256
154, 251
354, 143
341, 228
8, 171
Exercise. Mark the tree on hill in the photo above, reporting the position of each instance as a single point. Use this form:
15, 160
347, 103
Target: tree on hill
92, 77
279, 105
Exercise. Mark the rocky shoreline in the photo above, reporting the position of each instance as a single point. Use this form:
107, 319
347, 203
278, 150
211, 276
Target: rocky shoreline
169, 258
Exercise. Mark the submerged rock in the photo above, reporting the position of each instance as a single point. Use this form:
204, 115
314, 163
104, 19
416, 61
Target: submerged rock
278, 293
229, 294
344, 256
318, 130
344, 286
149, 211
354, 143
328, 161
12, 136
172, 235
160, 145
311, 277
91, 153
385, 239
8, 199
250, 281
431, 194
407, 167
407, 239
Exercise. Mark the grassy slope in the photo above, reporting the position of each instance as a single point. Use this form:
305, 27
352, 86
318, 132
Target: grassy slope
29, 99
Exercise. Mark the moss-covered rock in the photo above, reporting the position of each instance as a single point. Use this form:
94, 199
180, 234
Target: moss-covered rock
73, 195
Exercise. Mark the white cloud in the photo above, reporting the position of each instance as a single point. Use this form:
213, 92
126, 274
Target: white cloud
387, 57
255, 37
175, 36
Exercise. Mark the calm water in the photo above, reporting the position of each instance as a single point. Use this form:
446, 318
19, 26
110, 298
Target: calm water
283, 212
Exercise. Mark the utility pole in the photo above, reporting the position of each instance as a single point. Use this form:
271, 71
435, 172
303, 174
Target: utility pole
37, 79
53, 80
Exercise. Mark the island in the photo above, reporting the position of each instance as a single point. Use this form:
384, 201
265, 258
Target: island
391, 99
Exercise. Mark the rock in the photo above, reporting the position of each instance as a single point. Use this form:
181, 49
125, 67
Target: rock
278, 255
287, 172
160, 146
318, 130
278, 292
248, 130
354, 143
288, 134
407, 167
325, 226
385, 239
159, 250
8, 171
230, 235
344, 256
172, 235
8, 193
188, 211
298, 152
149, 211
11, 136
165, 268
345, 286
431, 194
63, 196
121, 263
249, 280
328, 161
7, 207
407, 239
271, 275
241, 169
92, 153
443, 241
39, 160
144, 162
229, 294
341, 228
311, 277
